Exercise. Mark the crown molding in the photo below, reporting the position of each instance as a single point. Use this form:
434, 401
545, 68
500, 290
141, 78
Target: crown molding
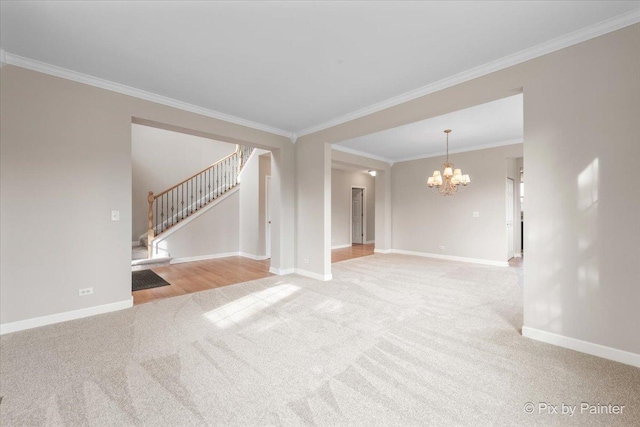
578, 36
462, 150
53, 70
361, 153
427, 156
584, 34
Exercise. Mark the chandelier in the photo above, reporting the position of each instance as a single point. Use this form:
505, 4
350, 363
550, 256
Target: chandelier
448, 182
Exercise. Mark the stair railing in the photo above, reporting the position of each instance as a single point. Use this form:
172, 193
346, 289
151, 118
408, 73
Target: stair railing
177, 203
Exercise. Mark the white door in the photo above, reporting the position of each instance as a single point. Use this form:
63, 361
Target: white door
267, 208
357, 233
510, 207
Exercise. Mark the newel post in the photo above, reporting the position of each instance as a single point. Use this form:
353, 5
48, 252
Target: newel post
150, 231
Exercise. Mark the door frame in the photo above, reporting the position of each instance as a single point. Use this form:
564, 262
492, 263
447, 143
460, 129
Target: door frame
513, 217
364, 213
267, 215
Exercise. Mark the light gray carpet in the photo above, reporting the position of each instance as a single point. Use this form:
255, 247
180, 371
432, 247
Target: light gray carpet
392, 340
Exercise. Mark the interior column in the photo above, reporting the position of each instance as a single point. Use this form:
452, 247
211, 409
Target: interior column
313, 213
282, 210
383, 211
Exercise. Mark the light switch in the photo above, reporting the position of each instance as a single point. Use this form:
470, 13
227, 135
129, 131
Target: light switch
115, 215
476, 214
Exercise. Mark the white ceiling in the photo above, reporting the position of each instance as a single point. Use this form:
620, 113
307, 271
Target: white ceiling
487, 125
288, 65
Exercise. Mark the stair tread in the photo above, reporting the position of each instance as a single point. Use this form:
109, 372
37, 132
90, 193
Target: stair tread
139, 252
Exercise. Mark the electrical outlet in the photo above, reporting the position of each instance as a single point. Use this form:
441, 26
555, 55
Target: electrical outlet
85, 292
441, 247
306, 260
476, 214
115, 215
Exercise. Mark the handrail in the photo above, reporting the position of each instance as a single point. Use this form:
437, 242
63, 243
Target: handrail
198, 173
182, 200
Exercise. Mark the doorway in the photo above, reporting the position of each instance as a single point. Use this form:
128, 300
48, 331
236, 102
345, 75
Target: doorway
510, 215
358, 220
267, 209
521, 210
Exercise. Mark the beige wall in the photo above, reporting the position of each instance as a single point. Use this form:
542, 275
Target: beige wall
582, 144
283, 209
382, 210
264, 171
214, 231
249, 211
341, 183
581, 109
423, 221
252, 189
313, 213
69, 145
581, 106
161, 159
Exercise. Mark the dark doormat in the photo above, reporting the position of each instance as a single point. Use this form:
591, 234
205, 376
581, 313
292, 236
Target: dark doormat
146, 279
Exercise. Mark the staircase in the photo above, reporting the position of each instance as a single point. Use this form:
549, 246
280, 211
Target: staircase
184, 201
139, 260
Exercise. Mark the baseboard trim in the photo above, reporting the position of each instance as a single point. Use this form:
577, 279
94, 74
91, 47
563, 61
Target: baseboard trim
368, 242
222, 255
281, 272
382, 251
593, 349
253, 257
21, 325
517, 255
312, 275
348, 245
203, 257
452, 258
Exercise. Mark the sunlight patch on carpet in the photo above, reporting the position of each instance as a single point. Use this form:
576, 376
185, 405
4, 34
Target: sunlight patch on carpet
247, 306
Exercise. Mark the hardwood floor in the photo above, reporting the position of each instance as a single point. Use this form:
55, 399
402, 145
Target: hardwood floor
203, 275
354, 251
517, 261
